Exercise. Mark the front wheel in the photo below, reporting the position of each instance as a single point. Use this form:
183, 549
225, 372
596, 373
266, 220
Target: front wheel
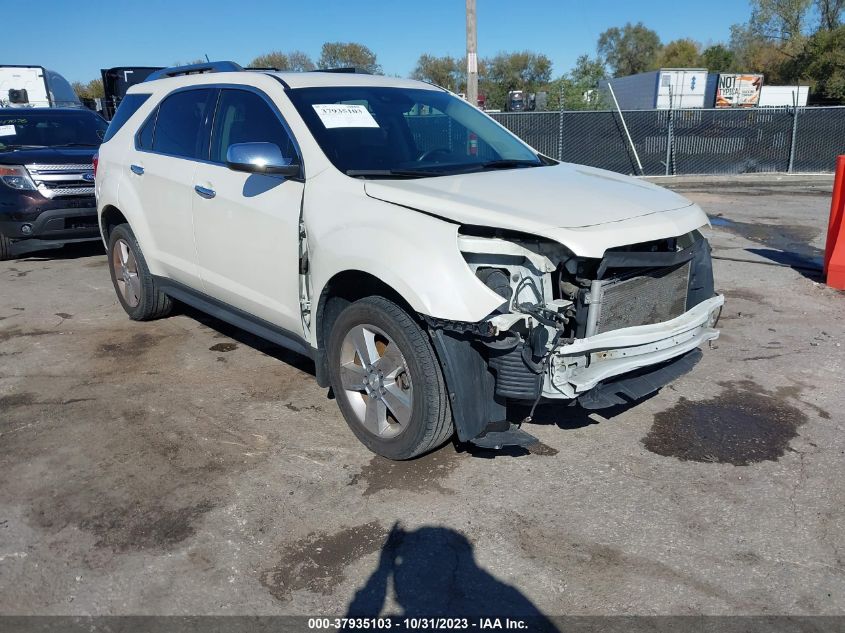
387, 380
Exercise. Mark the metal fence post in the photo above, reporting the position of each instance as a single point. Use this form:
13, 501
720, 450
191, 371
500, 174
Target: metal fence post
669, 135
792, 142
560, 126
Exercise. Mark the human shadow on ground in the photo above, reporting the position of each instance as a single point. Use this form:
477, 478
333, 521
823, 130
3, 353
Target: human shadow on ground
433, 574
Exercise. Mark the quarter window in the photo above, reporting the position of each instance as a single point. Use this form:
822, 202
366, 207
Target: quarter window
245, 117
180, 121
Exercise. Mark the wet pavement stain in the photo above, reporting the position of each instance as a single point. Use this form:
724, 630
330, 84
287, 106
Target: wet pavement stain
743, 425
223, 347
141, 528
423, 474
137, 344
317, 562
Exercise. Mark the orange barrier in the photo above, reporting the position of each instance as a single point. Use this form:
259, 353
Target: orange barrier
834, 252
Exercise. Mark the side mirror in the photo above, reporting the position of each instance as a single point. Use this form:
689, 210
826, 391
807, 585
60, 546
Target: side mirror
260, 158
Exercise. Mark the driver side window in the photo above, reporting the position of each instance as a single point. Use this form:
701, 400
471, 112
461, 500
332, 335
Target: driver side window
244, 117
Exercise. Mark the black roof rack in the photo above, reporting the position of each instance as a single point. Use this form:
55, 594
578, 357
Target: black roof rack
195, 69
348, 69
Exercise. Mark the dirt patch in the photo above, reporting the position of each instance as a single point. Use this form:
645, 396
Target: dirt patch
743, 425
16, 400
538, 448
16, 332
223, 347
317, 562
423, 474
140, 528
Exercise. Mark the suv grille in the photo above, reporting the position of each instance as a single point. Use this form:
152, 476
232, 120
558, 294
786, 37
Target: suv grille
55, 181
640, 298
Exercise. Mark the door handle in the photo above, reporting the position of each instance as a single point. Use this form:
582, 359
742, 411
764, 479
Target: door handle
205, 192
137, 169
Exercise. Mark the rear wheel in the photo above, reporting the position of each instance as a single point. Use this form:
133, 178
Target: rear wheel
387, 380
136, 288
5, 248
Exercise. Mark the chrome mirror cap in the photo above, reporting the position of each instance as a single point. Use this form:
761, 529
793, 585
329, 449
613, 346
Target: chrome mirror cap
260, 158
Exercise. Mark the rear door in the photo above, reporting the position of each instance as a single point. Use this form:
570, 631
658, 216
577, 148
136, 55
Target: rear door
160, 171
246, 226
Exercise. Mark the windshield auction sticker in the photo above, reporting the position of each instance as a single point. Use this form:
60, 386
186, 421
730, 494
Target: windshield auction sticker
341, 115
7, 130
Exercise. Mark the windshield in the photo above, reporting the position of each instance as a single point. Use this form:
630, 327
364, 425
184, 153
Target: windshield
28, 128
371, 131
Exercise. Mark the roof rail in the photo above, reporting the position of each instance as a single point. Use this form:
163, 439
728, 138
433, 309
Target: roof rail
195, 69
347, 69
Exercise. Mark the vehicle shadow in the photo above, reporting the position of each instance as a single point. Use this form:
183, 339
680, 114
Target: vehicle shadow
809, 266
25, 253
297, 361
433, 573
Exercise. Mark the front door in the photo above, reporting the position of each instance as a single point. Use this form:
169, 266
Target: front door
246, 226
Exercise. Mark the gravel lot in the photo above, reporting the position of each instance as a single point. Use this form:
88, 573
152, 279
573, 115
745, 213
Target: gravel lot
184, 467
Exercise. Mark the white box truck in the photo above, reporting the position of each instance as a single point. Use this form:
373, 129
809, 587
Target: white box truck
35, 87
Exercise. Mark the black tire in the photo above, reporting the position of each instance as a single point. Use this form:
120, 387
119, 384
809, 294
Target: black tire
5, 248
152, 302
430, 423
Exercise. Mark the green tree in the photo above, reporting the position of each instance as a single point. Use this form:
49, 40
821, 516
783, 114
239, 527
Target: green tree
830, 13
348, 55
447, 71
682, 53
783, 20
504, 72
718, 58
578, 89
294, 60
91, 90
632, 49
822, 63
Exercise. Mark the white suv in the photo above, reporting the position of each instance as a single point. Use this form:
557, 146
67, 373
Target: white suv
433, 265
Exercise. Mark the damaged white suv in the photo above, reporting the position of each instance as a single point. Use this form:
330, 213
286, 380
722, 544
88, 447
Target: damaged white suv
433, 265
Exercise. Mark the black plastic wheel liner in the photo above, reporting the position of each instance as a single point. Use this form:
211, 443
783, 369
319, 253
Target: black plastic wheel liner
469, 383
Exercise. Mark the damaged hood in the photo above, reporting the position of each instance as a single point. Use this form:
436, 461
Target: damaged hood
565, 195
588, 210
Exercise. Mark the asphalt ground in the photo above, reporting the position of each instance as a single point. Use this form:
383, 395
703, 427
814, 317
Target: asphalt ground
184, 467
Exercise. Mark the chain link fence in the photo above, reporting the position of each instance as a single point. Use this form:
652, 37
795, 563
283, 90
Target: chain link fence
681, 142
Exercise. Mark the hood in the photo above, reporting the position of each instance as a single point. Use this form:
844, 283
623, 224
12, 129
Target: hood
48, 156
559, 196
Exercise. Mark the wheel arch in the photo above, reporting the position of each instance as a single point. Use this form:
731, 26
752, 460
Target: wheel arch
339, 291
110, 217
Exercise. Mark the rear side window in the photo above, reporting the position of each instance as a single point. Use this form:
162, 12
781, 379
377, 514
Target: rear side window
180, 122
128, 106
144, 139
244, 117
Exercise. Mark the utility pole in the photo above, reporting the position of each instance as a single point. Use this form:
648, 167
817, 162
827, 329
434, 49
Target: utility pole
472, 55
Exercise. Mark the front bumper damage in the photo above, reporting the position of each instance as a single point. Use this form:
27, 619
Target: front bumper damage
525, 357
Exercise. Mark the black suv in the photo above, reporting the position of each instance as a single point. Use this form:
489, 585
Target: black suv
47, 177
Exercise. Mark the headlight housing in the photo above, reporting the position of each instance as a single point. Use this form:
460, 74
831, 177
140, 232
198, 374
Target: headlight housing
16, 177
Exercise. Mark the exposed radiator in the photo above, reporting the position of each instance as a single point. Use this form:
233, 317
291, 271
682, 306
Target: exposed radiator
639, 298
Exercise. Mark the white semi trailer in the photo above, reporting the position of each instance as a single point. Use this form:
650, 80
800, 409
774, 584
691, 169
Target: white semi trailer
35, 87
